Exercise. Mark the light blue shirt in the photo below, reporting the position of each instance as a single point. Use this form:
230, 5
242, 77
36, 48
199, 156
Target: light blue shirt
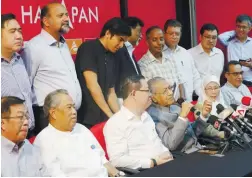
15, 82
51, 67
233, 95
241, 50
23, 160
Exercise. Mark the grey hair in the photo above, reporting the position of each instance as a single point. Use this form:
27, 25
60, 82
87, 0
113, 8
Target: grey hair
52, 101
153, 81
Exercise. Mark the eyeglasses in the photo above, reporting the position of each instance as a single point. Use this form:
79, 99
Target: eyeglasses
212, 89
147, 91
236, 74
242, 27
170, 88
23, 117
210, 37
177, 34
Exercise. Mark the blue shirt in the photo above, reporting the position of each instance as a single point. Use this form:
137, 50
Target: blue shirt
237, 50
15, 82
51, 67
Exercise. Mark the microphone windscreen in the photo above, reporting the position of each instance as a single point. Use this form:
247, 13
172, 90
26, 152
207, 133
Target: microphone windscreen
219, 108
246, 100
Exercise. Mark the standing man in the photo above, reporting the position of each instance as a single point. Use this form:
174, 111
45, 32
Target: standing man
127, 65
182, 58
155, 64
209, 60
239, 46
50, 63
95, 66
14, 77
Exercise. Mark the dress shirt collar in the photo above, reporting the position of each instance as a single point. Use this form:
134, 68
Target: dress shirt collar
228, 84
236, 40
128, 45
166, 48
151, 58
201, 50
49, 38
15, 57
10, 146
52, 128
129, 115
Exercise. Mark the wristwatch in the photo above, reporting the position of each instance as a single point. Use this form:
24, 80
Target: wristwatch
154, 162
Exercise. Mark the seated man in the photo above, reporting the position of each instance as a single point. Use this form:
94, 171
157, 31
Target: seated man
171, 121
239, 46
130, 134
19, 158
69, 149
234, 90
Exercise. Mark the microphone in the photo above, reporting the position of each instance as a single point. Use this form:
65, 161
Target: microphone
225, 114
247, 101
196, 111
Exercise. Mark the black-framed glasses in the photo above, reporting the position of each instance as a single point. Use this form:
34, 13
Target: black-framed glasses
146, 90
242, 27
210, 37
236, 74
23, 117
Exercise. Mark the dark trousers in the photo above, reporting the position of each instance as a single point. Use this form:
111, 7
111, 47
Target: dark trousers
40, 121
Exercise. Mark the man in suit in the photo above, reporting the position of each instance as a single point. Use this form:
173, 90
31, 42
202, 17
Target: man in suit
127, 65
171, 121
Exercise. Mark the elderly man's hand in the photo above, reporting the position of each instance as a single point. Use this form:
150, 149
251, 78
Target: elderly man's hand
207, 108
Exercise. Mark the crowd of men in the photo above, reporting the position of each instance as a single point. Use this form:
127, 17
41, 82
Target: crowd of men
145, 104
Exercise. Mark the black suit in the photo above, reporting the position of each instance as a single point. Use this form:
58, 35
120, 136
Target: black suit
125, 67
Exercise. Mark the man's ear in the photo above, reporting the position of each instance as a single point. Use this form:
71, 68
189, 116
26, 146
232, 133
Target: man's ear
200, 37
226, 75
3, 125
154, 98
45, 21
52, 113
107, 34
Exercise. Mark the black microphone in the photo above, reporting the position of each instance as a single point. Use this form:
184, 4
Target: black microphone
196, 111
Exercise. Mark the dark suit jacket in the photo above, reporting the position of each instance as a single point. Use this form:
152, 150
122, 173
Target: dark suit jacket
124, 67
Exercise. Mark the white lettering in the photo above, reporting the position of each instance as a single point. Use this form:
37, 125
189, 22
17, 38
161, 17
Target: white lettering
83, 15
37, 15
74, 13
29, 13
95, 15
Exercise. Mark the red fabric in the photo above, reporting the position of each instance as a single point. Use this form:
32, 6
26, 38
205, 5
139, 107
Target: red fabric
31, 140
190, 116
250, 88
97, 130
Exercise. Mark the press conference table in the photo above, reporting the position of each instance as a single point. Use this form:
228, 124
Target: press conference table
233, 164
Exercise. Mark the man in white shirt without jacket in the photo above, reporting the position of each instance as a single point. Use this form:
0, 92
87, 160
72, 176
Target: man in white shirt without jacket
49, 62
130, 134
209, 60
239, 46
182, 58
69, 149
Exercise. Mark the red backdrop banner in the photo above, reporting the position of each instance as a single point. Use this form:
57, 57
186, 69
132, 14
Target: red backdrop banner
86, 17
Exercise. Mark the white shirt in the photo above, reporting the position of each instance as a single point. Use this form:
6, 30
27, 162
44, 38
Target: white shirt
50, 68
233, 95
130, 50
237, 50
208, 64
186, 67
132, 142
75, 153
